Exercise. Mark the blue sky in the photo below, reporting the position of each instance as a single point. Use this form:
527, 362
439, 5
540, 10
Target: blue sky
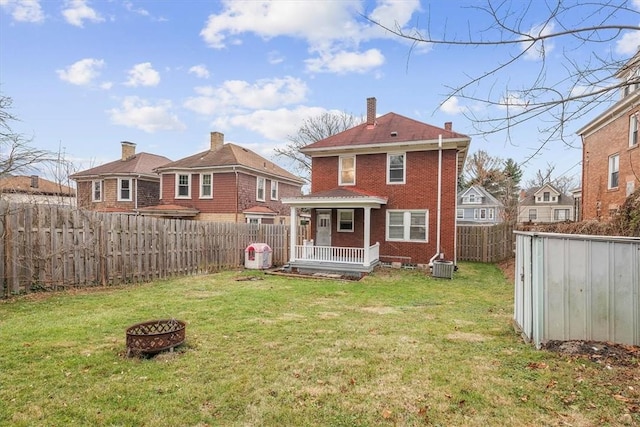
85, 75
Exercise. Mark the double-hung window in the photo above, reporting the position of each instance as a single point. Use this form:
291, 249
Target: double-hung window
407, 226
96, 191
260, 183
206, 186
533, 214
347, 170
183, 186
345, 220
459, 213
124, 189
633, 131
274, 190
396, 170
614, 167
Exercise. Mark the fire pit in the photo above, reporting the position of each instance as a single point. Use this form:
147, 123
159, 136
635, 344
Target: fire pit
155, 336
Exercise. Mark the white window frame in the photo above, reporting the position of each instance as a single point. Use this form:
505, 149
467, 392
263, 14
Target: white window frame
613, 171
459, 213
404, 168
633, 130
349, 212
93, 190
491, 213
274, 189
556, 214
261, 184
120, 181
406, 224
546, 196
202, 186
535, 214
341, 169
178, 185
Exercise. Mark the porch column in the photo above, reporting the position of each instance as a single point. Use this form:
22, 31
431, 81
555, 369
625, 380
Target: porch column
293, 239
367, 235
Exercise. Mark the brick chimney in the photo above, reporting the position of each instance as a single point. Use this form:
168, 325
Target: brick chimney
34, 181
371, 112
128, 150
217, 140
448, 125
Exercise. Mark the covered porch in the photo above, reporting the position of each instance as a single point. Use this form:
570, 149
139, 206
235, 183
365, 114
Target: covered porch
352, 212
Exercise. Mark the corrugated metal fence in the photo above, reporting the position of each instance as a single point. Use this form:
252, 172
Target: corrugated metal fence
48, 247
485, 243
576, 287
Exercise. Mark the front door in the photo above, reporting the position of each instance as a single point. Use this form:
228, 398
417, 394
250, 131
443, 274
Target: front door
323, 228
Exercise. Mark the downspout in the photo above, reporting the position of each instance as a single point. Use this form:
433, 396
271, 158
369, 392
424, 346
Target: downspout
437, 254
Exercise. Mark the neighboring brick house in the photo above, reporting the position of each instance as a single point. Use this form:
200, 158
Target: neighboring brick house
610, 150
123, 185
546, 204
226, 183
477, 206
382, 191
33, 189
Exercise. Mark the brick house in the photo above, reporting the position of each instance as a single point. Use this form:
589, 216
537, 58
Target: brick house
34, 189
124, 185
226, 183
545, 204
610, 150
382, 191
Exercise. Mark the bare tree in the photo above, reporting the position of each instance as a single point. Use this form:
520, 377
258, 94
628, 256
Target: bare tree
314, 129
562, 183
17, 155
554, 98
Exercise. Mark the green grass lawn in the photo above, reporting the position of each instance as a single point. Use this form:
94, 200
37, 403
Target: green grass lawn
396, 348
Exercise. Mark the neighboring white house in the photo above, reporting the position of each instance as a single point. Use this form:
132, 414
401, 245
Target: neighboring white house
477, 206
546, 204
33, 189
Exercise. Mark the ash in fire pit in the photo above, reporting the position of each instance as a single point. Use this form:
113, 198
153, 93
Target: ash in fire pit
155, 336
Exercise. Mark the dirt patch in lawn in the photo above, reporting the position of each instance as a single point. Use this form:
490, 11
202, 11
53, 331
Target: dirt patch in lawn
508, 267
600, 352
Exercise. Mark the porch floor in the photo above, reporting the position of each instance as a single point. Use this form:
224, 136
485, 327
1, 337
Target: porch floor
346, 269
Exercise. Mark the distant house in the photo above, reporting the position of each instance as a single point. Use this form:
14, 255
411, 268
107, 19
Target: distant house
124, 185
477, 206
382, 191
226, 183
546, 204
611, 150
34, 189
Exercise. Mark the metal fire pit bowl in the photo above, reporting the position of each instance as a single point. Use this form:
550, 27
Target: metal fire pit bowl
155, 336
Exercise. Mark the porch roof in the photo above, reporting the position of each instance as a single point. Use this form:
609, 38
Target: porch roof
337, 198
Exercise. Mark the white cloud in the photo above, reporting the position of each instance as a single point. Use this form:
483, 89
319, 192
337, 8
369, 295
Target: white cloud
636, 4
83, 72
345, 62
78, 11
275, 125
630, 41
24, 10
275, 57
200, 71
141, 114
452, 106
143, 75
539, 49
239, 95
332, 30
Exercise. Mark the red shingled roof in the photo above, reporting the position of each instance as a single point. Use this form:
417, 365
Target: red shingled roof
141, 163
23, 184
390, 128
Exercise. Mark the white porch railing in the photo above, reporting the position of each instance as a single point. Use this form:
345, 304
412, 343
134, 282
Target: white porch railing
337, 254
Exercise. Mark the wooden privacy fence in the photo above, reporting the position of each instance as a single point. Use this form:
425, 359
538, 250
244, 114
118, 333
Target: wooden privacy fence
485, 243
48, 247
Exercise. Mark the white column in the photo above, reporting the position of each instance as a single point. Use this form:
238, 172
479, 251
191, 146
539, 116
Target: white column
367, 234
293, 239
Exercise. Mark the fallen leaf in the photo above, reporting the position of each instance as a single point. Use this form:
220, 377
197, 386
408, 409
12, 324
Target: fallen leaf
386, 414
